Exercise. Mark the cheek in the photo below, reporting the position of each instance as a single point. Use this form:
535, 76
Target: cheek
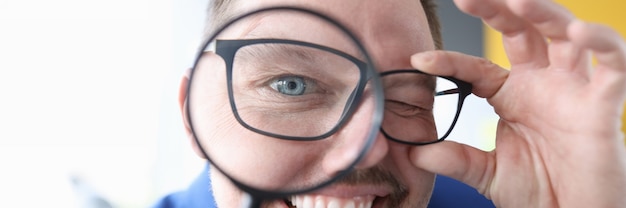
422, 187
419, 129
256, 160
419, 182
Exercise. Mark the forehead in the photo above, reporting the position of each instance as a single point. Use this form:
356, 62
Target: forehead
390, 30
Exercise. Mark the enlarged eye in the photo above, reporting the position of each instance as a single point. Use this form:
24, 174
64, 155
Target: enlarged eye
290, 85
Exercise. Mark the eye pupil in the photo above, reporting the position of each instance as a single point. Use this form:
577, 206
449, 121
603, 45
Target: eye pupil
290, 85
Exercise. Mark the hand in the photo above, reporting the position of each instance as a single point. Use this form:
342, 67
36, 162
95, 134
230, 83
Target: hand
559, 142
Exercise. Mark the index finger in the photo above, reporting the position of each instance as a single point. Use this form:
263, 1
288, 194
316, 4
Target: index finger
485, 76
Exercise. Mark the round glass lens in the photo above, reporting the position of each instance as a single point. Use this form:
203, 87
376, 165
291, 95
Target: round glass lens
292, 89
284, 101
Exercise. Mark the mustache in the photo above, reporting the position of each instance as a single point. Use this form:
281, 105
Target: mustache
377, 175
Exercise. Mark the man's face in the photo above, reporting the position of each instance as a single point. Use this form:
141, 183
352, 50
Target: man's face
391, 31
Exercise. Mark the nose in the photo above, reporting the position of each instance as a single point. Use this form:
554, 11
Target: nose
376, 153
350, 141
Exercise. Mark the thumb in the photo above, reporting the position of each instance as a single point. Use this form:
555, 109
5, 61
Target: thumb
467, 164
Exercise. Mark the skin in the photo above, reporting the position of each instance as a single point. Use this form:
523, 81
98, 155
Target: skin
559, 142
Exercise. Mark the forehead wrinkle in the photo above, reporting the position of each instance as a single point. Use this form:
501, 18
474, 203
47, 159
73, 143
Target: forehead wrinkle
255, 22
258, 30
310, 59
392, 36
280, 50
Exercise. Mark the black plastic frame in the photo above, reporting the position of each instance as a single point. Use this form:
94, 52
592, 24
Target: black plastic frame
464, 88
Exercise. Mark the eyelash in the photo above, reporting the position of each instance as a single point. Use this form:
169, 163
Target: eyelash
402, 107
316, 86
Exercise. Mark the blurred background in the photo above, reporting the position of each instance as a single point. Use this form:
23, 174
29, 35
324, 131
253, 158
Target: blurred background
88, 101
88, 98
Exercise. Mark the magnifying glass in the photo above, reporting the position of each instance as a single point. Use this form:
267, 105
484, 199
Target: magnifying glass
283, 101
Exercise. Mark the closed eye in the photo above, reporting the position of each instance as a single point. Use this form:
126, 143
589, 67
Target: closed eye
404, 109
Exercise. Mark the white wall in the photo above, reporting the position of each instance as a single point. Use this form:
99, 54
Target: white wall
85, 87
88, 89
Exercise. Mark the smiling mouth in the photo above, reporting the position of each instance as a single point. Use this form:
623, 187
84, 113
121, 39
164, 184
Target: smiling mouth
316, 201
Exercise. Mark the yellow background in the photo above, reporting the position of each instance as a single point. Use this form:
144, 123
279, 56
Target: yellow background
609, 12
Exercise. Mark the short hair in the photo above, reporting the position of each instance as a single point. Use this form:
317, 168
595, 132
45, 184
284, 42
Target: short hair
220, 11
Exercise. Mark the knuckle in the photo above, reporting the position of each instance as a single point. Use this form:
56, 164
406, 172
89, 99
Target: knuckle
485, 63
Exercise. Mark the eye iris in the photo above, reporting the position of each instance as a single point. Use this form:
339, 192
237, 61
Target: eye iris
291, 85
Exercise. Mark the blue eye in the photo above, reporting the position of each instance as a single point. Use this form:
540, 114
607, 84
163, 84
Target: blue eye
290, 85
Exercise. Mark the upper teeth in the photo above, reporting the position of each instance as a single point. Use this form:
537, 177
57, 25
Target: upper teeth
318, 201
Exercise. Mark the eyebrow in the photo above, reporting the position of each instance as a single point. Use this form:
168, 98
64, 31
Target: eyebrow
278, 50
312, 58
